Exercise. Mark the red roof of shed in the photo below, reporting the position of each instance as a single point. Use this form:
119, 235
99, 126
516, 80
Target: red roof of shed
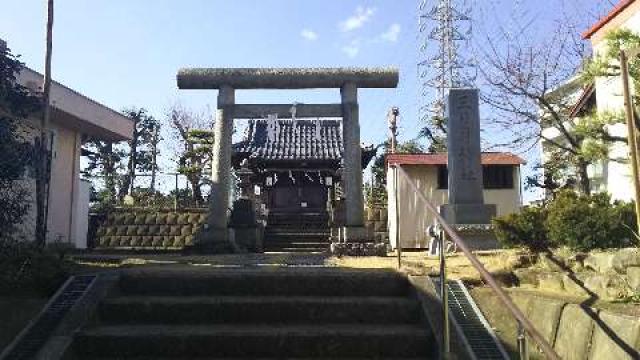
487, 158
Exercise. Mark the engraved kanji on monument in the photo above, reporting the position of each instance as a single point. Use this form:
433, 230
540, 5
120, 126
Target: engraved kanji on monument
466, 202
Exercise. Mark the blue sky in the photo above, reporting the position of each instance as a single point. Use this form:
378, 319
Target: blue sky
126, 53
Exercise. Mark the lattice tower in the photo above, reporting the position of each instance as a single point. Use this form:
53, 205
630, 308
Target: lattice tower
447, 61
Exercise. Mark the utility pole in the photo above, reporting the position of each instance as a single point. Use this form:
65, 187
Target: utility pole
631, 132
392, 119
44, 151
154, 155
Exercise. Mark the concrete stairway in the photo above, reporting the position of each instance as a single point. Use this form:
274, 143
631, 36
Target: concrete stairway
258, 314
306, 232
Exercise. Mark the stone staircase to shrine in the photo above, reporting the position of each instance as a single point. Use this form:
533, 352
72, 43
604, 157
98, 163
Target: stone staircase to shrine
285, 313
302, 232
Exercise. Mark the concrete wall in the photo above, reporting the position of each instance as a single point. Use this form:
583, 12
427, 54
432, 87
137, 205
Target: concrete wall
413, 215
63, 197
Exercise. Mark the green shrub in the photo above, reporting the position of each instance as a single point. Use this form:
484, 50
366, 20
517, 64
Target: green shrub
26, 268
586, 222
526, 228
579, 222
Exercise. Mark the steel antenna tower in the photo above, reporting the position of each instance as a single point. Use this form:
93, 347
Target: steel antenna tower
445, 30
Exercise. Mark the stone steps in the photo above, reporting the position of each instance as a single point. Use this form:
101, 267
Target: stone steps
295, 245
299, 233
332, 313
266, 282
255, 340
251, 358
296, 240
259, 310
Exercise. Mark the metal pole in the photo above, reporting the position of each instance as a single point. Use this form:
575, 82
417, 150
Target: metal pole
631, 132
175, 200
444, 296
42, 182
523, 350
392, 119
398, 245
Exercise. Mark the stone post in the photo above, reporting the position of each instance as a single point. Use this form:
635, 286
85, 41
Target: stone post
221, 166
352, 170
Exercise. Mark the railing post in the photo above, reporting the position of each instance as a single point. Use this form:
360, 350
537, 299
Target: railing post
522, 343
444, 296
397, 230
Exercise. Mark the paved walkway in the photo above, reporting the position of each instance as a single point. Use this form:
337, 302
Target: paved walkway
232, 260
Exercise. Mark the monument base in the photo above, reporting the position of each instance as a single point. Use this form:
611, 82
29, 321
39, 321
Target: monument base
356, 241
468, 213
250, 238
213, 241
477, 236
354, 234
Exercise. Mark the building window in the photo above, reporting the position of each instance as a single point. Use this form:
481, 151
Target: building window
497, 176
493, 177
443, 177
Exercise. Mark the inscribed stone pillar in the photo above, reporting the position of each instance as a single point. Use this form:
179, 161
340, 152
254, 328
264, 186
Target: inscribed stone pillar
221, 164
466, 201
352, 170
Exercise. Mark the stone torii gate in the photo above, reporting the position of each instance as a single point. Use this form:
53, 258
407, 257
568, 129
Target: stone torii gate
227, 80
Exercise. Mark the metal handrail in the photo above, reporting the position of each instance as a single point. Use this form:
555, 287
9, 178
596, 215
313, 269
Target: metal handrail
546, 348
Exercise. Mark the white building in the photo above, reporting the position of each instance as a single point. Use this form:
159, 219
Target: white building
74, 117
605, 95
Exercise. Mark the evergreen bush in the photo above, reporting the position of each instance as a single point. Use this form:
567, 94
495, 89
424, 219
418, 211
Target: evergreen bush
579, 222
586, 222
526, 228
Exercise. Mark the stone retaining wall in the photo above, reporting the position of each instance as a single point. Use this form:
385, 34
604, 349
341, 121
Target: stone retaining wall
146, 229
580, 332
606, 275
376, 224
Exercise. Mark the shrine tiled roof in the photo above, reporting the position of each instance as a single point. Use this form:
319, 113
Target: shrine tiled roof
286, 139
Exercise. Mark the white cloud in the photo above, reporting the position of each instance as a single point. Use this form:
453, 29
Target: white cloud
309, 34
391, 34
358, 19
352, 49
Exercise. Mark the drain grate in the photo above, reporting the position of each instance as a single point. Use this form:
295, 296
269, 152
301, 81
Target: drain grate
37, 334
470, 321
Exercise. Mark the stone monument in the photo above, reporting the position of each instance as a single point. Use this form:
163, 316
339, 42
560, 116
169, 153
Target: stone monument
466, 201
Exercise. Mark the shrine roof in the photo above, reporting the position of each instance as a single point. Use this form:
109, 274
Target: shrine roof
287, 139
487, 158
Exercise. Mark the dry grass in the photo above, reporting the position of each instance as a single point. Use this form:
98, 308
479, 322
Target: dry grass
419, 263
416, 262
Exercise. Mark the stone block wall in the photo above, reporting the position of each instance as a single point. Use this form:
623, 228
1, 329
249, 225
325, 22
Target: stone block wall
606, 275
144, 229
580, 332
376, 224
